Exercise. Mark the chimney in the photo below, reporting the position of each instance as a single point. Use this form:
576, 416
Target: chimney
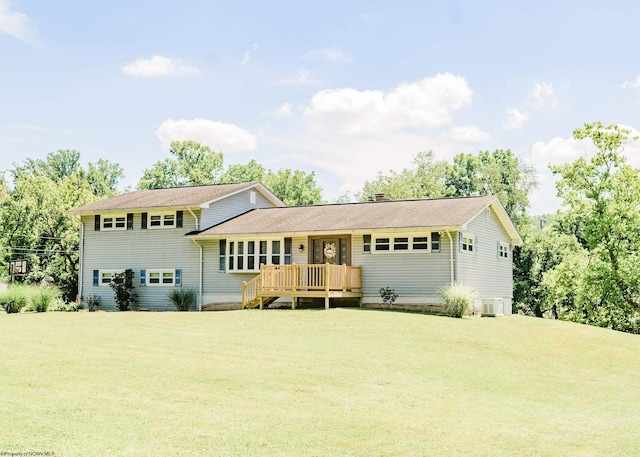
381, 198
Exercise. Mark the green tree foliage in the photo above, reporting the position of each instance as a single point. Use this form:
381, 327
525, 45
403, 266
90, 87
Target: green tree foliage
602, 195
294, 187
498, 173
541, 253
194, 165
424, 180
251, 172
32, 215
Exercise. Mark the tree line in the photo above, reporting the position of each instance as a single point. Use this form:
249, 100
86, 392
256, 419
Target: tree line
579, 264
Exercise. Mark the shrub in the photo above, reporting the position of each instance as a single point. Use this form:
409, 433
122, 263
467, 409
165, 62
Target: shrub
92, 301
388, 295
40, 299
14, 299
122, 285
59, 305
183, 299
458, 299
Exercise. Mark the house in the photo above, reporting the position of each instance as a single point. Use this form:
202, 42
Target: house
239, 245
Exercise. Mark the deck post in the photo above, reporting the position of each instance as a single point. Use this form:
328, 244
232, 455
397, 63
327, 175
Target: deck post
344, 277
293, 302
261, 305
326, 285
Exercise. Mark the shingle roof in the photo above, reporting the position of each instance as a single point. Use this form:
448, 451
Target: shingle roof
163, 198
444, 212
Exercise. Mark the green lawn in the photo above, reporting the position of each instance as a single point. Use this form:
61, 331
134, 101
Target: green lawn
343, 382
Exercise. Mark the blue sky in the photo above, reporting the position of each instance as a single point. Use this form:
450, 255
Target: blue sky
345, 89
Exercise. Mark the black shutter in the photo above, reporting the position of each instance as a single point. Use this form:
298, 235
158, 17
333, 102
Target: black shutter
96, 225
129, 221
144, 221
179, 217
96, 277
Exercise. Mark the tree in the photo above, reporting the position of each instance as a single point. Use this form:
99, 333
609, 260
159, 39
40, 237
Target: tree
603, 194
33, 214
251, 172
194, 165
498, 173
294, 187
424, 180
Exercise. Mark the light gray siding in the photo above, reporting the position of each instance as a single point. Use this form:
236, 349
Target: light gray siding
483, 270
411, 274
221, 286
139, 249
232, 206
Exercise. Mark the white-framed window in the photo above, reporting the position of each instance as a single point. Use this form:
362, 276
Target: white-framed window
366, 243
397, 243
161, 277
467, 242
435, 241
162, 220
106, 276
503, 250
114, 222
248, 255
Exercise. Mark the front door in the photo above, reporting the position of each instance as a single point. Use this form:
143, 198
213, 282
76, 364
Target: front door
329, 250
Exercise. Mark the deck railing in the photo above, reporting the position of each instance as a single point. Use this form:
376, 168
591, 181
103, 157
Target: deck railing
289, 279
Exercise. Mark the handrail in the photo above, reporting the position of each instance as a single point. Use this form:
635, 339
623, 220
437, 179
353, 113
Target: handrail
289, 279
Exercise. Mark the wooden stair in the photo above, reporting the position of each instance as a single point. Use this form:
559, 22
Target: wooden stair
256, 301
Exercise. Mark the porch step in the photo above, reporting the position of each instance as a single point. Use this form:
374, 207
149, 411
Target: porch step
265, 301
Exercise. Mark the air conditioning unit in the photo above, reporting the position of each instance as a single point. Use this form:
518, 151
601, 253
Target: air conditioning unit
492, 307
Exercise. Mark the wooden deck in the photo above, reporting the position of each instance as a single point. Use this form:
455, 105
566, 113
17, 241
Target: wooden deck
296, 281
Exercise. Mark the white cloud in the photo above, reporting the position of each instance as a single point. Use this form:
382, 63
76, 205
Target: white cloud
331, 54
284, 110
515, 118
302, 78
543, 94
158, 67
470, 134
559, 151
428, 103
247, 55
632, 84
15, 24
220, 136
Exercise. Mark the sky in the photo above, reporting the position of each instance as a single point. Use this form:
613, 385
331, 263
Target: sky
345, 89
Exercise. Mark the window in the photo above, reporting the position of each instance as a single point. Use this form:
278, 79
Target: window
467, 242
503, 250
161, 277
366, 243
223, 255
418, 243
382, 244
104, 277
114, 222
250, 254
435, 242
162, 220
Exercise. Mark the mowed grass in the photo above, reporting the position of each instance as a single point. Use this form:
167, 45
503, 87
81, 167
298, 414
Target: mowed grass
343, 382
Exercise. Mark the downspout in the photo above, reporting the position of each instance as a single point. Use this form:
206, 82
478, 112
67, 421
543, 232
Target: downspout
200, 267
200, 277
196, 218
451, 255
80, 258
